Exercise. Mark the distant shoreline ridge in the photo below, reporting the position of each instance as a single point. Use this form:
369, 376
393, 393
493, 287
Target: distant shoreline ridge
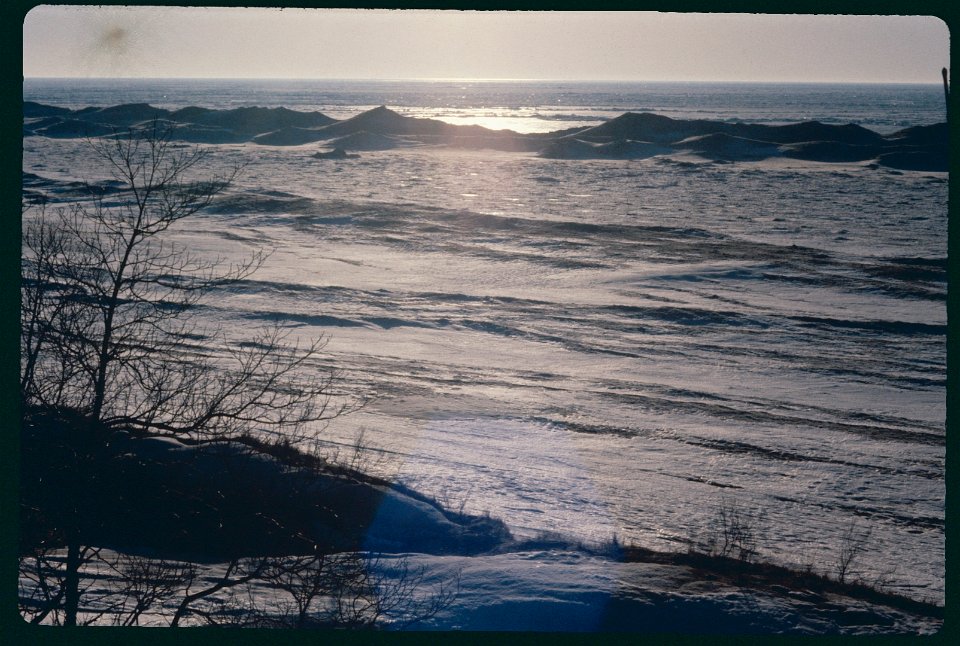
631, 135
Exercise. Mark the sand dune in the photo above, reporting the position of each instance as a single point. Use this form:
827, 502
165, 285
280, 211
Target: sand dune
720, 145
628, 136
831, 151
384, 121
33, 109
934, 135
255, 121
807, 131
620, 149
653, 127
291, 136
920, 159
74, 128
122, 115
364, 140
647, 127
336, 153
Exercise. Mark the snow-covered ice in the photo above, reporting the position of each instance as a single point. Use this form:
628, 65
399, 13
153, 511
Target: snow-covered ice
611, 348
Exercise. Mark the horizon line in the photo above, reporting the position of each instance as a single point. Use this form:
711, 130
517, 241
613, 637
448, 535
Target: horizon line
468, 80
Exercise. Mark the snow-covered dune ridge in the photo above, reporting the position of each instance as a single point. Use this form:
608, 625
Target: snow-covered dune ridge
631, 135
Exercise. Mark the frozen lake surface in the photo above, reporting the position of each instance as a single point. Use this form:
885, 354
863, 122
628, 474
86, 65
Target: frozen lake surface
613, 347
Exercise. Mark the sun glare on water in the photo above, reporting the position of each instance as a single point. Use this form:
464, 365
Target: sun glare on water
521, 120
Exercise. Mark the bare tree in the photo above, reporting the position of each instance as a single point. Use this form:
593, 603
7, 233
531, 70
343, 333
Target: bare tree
367, 590
147, 583
238, 572
107, 332
107, 310
353, 590
42, 586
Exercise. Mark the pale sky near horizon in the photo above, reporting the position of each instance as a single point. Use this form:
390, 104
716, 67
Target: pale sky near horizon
88, 41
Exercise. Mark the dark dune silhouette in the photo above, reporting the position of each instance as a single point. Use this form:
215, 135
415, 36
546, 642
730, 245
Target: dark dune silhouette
384, 121
647, 127
205, 134
490, 140
630, 149
122, 115
75, 128
336, 153
255, 121
628, 136
191, 114
831, 151
934, 135
189, 124
33, 109
568, 148
720, 145
32, 124
658, 128
364, 140
924, 159
291, 136
808, 131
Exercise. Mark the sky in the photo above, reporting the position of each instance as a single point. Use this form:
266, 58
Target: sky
88, 41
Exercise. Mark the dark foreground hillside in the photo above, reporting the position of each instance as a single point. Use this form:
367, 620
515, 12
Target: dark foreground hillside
220, 500
213, 503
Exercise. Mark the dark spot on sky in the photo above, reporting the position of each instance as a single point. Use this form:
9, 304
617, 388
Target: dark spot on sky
114, 37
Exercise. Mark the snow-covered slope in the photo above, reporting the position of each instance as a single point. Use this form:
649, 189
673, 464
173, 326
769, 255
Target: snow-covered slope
569, 590
546, 590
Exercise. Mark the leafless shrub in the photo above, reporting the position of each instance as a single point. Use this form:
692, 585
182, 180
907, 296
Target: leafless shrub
853, 544
734, 532
358, 456
449, 501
